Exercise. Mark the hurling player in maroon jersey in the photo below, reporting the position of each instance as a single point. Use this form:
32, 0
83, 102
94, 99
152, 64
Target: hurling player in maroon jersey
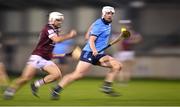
41, 57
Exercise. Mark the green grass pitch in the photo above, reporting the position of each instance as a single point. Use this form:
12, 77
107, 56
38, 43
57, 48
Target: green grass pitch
85, 92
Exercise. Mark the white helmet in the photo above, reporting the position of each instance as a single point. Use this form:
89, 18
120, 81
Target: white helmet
107, 9
55, 15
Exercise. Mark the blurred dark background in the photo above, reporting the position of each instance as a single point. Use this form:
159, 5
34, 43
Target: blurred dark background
158, 55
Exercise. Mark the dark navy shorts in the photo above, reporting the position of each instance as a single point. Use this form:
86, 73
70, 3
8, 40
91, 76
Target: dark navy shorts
88, 57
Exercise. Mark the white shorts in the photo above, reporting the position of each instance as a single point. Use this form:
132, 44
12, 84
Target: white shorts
125, 55
39, 62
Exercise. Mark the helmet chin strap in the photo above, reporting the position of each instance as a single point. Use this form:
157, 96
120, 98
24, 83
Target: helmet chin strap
56, 27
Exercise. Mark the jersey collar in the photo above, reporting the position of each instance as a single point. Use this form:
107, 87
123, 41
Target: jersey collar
105, 22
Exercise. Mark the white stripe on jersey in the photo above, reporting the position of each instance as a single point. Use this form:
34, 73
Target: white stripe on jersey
51, 31
51, 35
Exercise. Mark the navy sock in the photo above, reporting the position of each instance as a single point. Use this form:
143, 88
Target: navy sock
106, 83
58, 88
107, 86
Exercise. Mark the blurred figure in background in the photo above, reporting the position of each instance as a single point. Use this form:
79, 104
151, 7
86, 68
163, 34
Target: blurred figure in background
41, 57
99, 34
9, 48
126, 53
4, 79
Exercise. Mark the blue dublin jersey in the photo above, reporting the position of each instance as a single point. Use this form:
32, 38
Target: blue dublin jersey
102, 31
63, 47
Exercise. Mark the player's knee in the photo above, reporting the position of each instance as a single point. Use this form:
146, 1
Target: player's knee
117, 66
56, 76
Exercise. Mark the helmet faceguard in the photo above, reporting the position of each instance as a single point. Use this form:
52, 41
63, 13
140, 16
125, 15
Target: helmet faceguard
107, 9
55, 16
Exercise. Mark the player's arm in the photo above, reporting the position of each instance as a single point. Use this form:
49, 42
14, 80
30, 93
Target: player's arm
67, 36
87, 33
92, 40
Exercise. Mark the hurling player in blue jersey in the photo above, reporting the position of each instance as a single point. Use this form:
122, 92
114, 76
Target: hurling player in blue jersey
98, 38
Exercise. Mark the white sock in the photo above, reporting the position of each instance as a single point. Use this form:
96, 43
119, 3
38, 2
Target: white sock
39, 83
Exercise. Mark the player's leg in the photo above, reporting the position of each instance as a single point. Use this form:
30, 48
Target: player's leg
115, 66
121, 75
81, 69
127, 58
54, 73
27, 74
128, 70
4, 79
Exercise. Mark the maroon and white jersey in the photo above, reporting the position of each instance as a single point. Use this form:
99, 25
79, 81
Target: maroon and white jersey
45, 45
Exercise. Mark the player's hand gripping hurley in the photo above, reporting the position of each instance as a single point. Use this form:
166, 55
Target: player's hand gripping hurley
123, 35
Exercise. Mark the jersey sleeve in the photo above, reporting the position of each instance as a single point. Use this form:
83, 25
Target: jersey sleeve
95, 30
51, 32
